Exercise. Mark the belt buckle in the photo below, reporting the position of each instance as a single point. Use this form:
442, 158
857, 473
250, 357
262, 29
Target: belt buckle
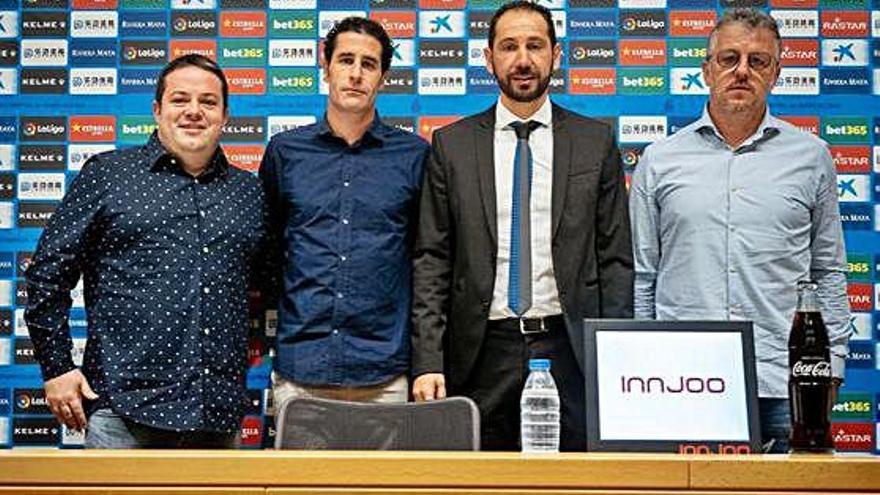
525, 331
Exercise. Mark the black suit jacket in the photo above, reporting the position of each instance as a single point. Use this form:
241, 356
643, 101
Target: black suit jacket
456, 245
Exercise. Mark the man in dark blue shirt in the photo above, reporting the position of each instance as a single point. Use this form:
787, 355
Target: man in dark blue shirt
342, 195
163, 235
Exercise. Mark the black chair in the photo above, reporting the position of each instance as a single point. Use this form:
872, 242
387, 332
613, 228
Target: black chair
324, 424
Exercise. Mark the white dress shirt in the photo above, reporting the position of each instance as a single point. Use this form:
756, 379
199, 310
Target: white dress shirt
545, 297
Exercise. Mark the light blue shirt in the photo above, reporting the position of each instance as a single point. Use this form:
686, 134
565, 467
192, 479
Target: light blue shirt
726, 234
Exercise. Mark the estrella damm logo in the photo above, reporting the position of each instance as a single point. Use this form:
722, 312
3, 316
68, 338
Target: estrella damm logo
847, 130
642, 82
858, 267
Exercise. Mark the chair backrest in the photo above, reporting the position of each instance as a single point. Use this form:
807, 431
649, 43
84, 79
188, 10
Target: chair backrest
324, 424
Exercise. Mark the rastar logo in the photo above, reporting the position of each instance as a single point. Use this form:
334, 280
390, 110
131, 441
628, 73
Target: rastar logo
429, 124
92, 128
799, 53
642, 52
398, 24
592, 81
860, 297
853, 437
845, 24
691, 23
852, 159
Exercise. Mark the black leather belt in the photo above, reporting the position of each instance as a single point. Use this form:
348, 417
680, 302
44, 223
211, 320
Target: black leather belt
528, 326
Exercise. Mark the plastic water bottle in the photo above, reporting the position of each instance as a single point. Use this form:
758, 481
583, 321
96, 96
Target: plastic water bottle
539, 409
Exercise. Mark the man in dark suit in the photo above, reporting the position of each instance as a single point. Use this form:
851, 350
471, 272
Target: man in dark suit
523, 232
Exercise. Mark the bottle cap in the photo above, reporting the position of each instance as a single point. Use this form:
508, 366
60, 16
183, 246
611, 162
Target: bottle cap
539, 364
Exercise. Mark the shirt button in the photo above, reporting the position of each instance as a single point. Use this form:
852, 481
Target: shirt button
206, 290
201, 214
345, 221
207, 371
205, 249
207, 331
339, 295
343, 258
732, 270
346, 184
335, 331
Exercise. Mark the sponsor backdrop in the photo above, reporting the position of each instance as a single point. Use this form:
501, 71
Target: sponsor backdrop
77, 76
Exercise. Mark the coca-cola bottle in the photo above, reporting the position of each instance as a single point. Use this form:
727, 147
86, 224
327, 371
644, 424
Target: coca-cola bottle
809, 379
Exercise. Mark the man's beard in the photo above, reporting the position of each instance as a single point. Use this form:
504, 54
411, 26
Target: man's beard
522, 96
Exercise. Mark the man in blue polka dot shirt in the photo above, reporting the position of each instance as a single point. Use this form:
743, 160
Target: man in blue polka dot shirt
163, 236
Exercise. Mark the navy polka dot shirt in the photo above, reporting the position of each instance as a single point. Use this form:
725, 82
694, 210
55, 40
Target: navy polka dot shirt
165, 259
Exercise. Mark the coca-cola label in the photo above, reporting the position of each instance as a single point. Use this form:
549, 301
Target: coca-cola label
817, 369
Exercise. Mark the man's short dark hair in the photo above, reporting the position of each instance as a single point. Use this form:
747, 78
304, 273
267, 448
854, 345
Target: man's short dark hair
523, 5
360, 25
193, 60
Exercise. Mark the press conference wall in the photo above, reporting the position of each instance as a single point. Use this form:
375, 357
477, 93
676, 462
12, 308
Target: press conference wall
77, 77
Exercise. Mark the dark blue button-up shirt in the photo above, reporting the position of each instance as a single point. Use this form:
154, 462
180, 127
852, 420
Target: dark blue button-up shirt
345, 218
165, 261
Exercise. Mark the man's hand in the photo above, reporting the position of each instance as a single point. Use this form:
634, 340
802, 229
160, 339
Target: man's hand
64, 394
429, 386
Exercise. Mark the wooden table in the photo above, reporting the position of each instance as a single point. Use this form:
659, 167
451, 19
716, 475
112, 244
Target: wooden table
398, 473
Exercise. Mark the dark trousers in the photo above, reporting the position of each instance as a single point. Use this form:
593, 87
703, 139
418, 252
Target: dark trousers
497, 380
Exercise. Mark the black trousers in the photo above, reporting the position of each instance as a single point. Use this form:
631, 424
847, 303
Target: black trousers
500, 372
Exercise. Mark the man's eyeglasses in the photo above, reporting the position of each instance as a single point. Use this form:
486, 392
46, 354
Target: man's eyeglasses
729, 59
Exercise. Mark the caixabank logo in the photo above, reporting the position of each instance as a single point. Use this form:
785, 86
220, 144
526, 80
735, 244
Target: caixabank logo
8, 24
845, 52
8, 81
853, 188
592, 24
138, 24
7, 157
687, 81
846, 130
441, 24
860, 327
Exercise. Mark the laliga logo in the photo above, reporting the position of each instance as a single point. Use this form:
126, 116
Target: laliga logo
691, 385
629, 24
630, 158
180, 24
23, 401
130, 53
820, 369
30, 129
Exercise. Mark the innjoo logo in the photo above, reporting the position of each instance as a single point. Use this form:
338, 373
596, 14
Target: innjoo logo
675, 385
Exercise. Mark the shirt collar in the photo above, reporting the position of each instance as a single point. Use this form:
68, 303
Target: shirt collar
159, 158
768, 128
376, 133
504, 117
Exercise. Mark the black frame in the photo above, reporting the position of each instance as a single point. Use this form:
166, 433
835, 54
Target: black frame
591, 327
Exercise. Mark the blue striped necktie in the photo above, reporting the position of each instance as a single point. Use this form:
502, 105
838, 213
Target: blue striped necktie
519, 290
